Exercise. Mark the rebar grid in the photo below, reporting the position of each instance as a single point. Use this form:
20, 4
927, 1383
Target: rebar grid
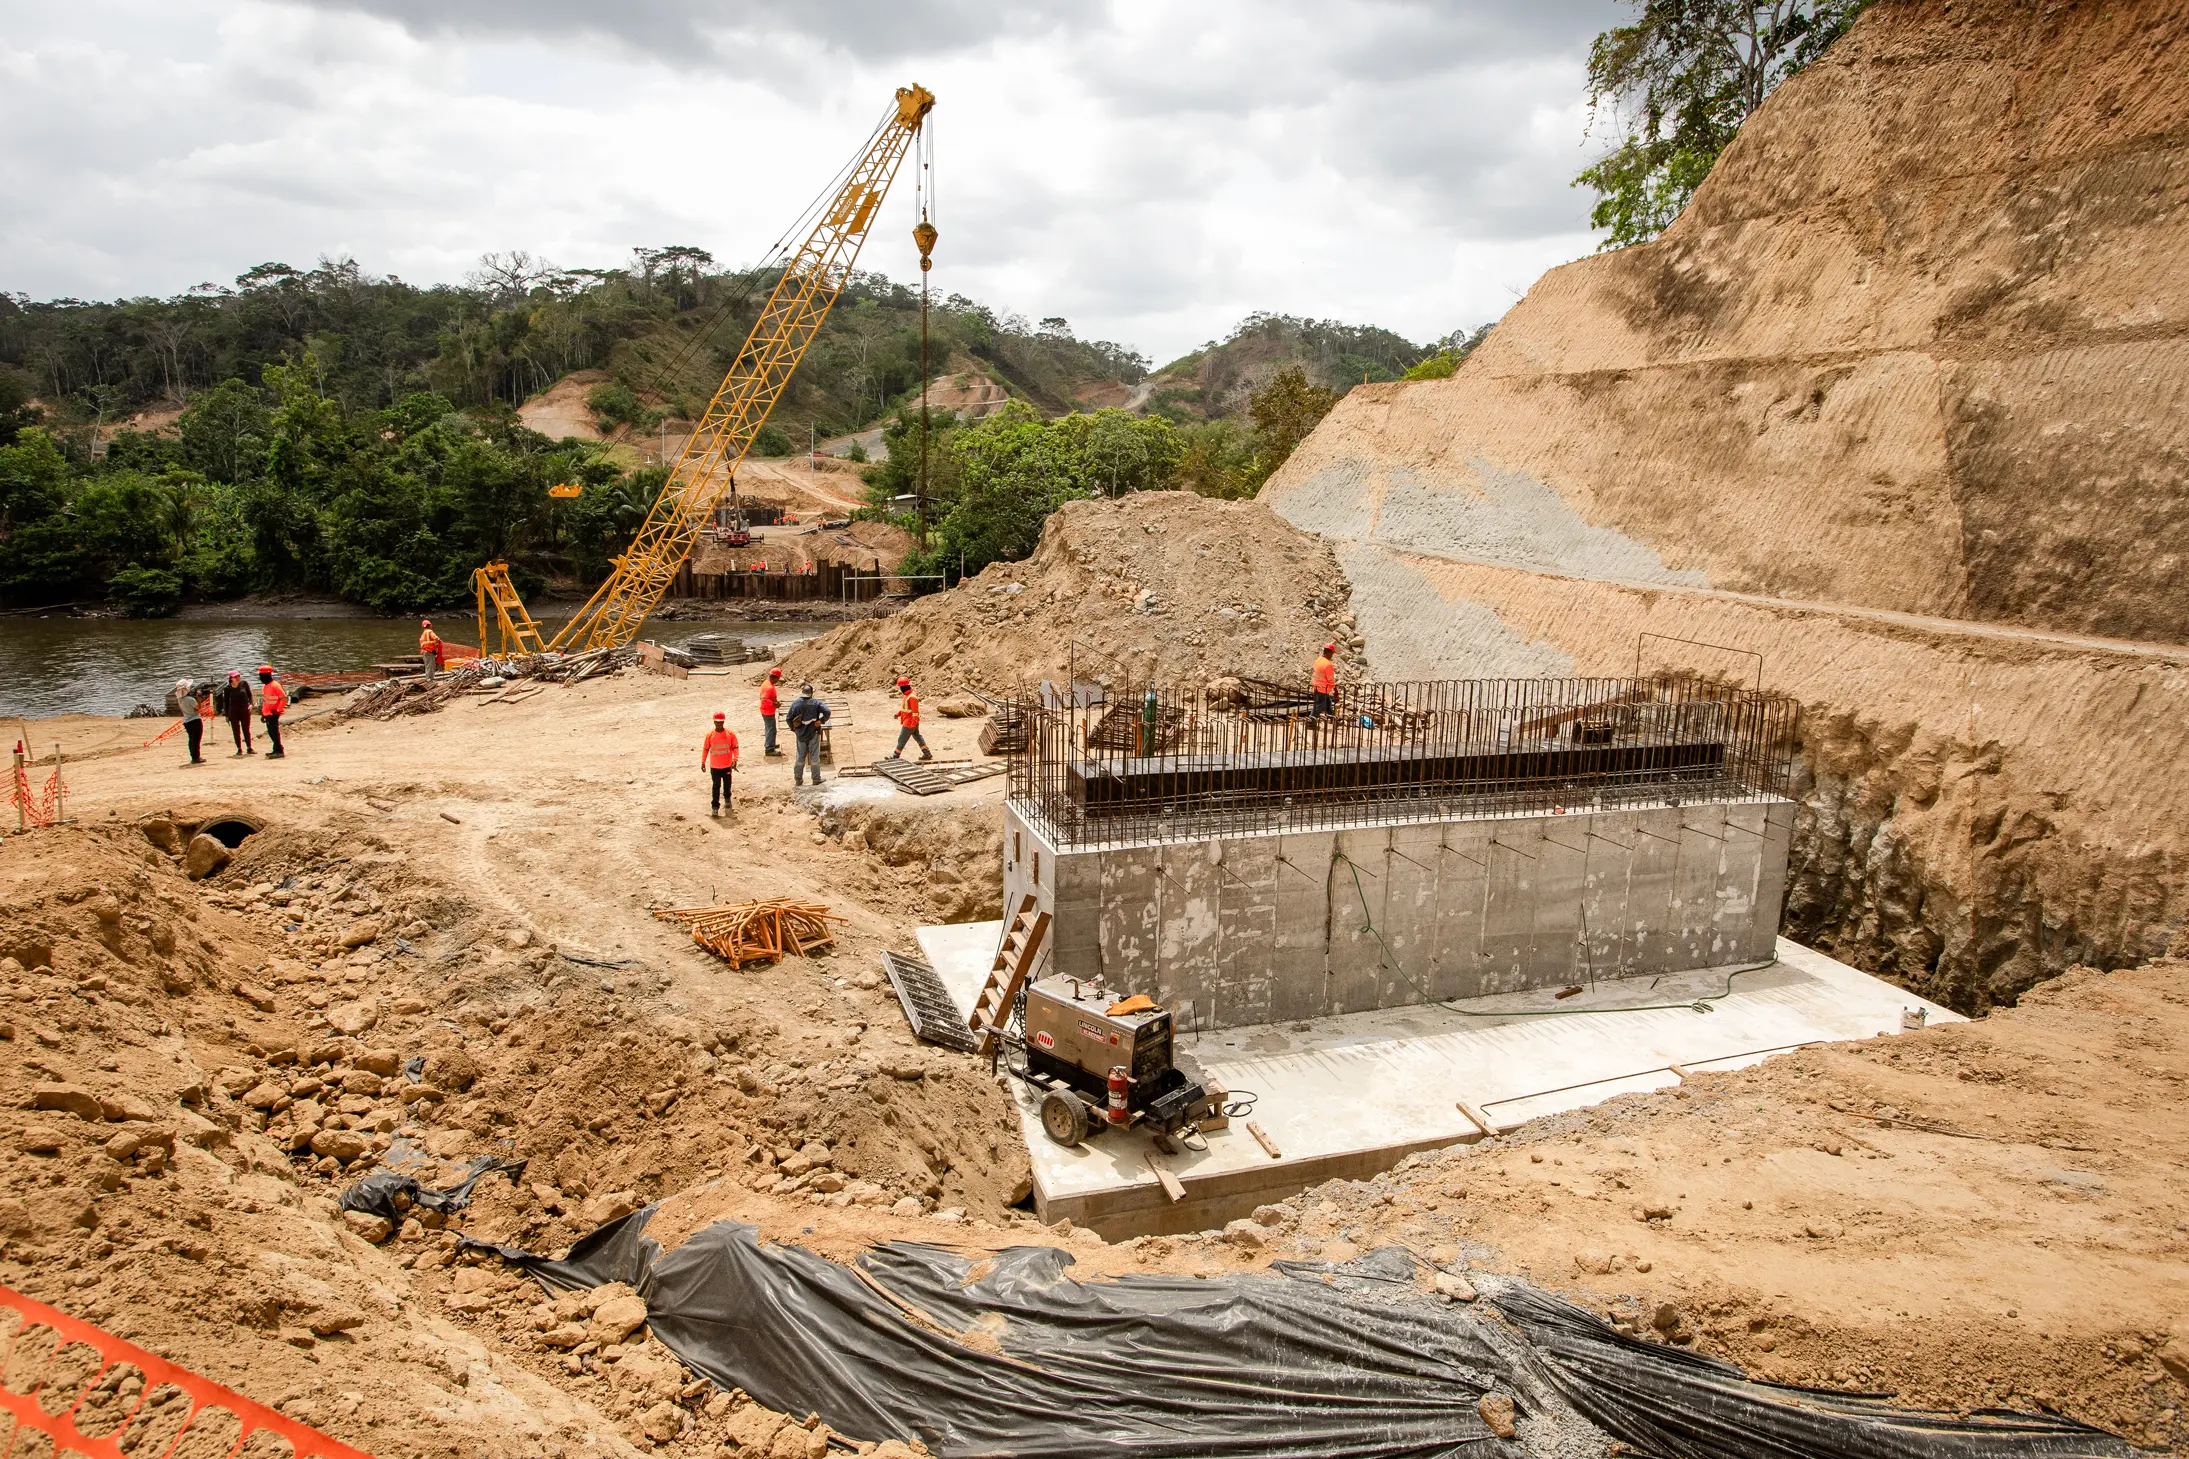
1245, 757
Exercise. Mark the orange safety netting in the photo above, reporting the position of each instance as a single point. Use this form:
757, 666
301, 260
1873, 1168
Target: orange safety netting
88, 1392
36, 808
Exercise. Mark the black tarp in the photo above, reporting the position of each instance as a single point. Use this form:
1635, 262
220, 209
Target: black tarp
1003, 1353
376, 1194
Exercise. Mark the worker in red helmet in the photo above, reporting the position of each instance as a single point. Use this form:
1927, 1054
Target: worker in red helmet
770, 698
273, 702
908, 716
1324, 683
718, 757
429, 647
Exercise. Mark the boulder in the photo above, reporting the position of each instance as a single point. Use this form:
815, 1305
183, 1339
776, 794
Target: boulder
383, 1062
353, 1018
70, 1098
343, 1145
608, 1206
1497, 1412
372, 1228
661, 1423
1454, 1286
1247, 1235
361, 932
204, 856
618, 1317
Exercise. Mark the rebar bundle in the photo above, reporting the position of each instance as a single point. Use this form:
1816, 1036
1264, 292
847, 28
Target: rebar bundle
757, 932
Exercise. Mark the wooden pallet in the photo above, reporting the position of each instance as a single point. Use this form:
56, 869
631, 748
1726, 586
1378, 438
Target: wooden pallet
1015, 957
918, 779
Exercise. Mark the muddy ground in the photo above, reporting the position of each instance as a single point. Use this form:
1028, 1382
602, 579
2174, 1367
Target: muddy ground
193, 1068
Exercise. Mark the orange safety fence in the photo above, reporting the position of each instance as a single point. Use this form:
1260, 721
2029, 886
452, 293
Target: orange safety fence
36, 808
88, 1392
163, 734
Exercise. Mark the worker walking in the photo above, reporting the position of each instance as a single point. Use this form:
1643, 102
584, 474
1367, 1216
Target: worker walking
1324, 684
767, 713
908, 716
807, 716
429, 647
273, 702
193, 718
234, 703
718, 757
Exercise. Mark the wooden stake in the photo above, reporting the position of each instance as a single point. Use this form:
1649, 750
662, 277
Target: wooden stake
1172, 1187
1261, 1138
1477, 1118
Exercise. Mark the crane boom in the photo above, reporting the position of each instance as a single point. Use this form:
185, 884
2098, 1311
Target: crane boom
812, 278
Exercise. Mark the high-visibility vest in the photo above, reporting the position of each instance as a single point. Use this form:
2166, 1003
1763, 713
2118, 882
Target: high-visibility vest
275, 699
909, 716
1326, 677
429, 642
768, 699
720, 749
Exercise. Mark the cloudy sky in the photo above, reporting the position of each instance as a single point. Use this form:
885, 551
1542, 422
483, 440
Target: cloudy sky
1152, 172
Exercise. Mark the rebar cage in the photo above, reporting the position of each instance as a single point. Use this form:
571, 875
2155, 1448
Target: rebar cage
1108, 765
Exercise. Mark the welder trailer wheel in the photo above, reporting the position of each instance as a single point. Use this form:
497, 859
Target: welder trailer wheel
1064, 1117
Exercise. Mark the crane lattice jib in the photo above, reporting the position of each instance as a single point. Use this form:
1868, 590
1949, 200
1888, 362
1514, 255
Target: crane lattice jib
815, 274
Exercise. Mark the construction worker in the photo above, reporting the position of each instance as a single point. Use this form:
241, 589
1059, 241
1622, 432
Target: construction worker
193, 718
273, 702
807, 716
429, 647
718, 757
908, 715
768, 699
1324, 684
234, 703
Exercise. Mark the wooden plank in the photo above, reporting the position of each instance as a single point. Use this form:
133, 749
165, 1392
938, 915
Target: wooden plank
1261, 1138
1681, 1072
1476, 1117
1172, 1187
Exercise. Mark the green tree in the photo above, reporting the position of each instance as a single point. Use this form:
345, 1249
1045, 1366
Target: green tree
1284, 411
1679, 82
224, 432
1216, 458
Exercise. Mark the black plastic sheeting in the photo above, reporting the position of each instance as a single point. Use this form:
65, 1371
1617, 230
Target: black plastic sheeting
376, 1194
1004, 1353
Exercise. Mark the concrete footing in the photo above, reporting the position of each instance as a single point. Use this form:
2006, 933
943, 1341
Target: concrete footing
1351, 1094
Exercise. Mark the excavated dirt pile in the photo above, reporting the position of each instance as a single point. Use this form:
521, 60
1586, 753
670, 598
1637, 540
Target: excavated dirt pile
1161, 586
1917, 347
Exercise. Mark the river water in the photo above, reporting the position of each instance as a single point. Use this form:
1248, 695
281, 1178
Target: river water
52, 666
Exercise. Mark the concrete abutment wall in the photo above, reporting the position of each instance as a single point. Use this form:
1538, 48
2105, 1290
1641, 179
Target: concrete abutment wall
1272, 928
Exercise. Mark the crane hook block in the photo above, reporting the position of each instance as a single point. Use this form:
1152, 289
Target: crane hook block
924, 234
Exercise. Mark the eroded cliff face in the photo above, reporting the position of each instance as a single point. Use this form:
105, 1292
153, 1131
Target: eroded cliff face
1920, 346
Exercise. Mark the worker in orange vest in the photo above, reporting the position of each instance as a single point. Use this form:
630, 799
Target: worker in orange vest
770, 697
909, 716
273, 703
718, 757
429, 646
1325, 683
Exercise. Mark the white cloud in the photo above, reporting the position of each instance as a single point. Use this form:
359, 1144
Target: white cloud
1151, 172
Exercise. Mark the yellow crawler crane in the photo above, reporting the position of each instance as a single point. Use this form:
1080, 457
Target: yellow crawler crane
812, 278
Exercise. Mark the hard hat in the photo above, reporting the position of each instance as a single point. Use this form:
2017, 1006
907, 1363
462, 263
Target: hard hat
265, 668
904, 683
775, 673
719, 716
425, 623
1330, 648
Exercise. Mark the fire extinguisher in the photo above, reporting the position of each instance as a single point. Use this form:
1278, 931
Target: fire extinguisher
1120, 1083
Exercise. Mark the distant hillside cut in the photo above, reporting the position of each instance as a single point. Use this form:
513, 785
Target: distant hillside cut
1213, 382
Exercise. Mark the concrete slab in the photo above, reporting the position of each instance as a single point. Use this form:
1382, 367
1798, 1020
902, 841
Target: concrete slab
1353, 1094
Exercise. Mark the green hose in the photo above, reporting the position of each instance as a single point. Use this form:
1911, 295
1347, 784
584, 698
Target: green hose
1369, 925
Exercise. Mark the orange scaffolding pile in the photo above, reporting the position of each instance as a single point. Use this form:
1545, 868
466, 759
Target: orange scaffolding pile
87, 1392
757, 932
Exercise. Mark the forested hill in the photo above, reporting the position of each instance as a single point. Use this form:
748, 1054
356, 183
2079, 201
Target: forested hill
326, 430
667, 327
1217, 381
